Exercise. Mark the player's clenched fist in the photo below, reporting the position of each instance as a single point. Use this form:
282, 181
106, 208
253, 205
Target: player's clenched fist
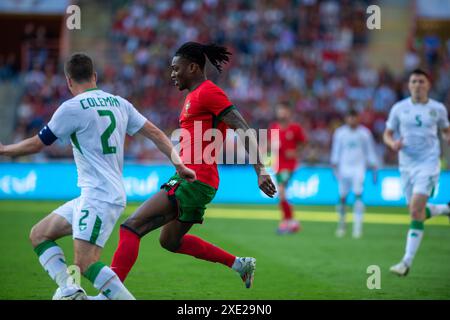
266, 184
186, 173
396, 145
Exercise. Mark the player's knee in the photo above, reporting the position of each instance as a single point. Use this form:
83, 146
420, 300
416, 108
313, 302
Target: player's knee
417, 213
36, 236
131, 224
169, 244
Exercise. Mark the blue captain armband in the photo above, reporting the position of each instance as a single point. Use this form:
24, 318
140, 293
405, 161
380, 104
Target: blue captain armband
46, 135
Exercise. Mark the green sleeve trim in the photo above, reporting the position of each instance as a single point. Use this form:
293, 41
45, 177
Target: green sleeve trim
416, 225
91, 89
74, 139
224, 112
93, 271
42, 247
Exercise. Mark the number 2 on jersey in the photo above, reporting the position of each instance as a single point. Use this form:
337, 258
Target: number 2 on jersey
107, 149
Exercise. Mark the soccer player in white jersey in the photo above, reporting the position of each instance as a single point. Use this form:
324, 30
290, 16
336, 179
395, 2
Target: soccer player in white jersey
352, 152
96, 123
417, 120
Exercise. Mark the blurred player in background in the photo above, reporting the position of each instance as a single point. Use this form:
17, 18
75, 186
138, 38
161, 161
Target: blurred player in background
417, 121
181, 204
291, 139
353, 149
96, 123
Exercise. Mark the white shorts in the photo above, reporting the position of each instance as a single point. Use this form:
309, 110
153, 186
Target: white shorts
92, 220
418, 182
353, 183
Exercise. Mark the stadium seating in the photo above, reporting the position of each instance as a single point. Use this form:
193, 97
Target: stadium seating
311, 53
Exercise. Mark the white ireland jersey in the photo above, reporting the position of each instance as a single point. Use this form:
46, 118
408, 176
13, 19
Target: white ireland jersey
96, 123
418, 125
352, 150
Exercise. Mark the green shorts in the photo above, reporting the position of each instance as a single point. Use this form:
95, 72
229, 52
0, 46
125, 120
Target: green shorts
283, 176
191, 198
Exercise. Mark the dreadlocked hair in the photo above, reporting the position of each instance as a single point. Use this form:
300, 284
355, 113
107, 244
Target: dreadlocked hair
196, 52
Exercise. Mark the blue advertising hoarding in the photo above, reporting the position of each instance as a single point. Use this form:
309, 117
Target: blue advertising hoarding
238, 184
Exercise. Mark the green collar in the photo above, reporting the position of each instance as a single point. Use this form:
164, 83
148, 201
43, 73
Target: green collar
91, 89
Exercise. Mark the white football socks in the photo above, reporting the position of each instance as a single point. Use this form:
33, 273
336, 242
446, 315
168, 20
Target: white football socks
340, 208
358, 214
107, 282
52, 260
413, 240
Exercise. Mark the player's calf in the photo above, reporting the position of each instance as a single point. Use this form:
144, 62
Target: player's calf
51, 256
126, 253
102, 277
86, 254
169, 244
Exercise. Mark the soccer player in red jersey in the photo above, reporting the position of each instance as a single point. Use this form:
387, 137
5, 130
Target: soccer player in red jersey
291, 139
180, 203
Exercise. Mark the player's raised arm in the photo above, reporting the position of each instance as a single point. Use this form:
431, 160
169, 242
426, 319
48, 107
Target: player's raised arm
25, 147
63, 123
235, 121
162, 142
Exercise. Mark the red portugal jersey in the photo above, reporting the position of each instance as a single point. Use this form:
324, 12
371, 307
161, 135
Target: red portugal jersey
289, 138
202, 111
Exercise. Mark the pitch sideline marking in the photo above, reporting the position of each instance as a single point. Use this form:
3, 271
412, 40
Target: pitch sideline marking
317, 216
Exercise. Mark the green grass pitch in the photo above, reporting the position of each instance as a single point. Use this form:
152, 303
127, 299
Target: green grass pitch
310, 265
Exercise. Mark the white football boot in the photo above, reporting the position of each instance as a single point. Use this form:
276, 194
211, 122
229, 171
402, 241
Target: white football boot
70, 293
340, 232
247, 270
401, 269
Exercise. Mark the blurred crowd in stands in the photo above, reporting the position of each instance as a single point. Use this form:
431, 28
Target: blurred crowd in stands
310, 53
